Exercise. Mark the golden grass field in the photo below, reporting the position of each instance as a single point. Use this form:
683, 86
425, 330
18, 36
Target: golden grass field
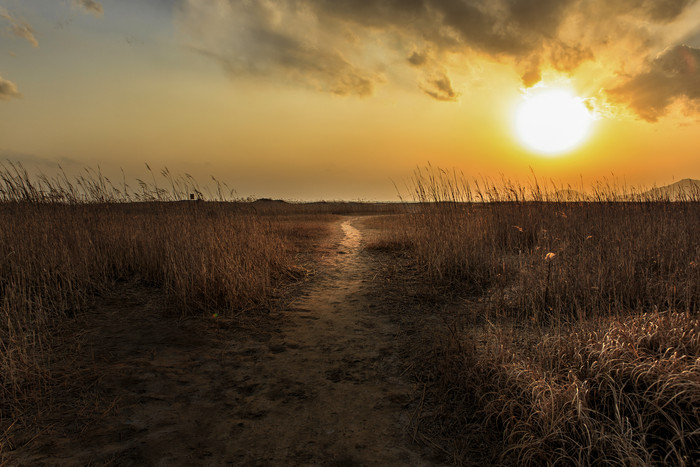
579, 337
572, 333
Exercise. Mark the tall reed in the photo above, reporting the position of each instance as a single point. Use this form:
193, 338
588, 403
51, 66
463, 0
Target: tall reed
555, 260
589, 349
63, 241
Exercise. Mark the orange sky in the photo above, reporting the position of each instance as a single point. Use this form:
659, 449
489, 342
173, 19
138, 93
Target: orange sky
310, 99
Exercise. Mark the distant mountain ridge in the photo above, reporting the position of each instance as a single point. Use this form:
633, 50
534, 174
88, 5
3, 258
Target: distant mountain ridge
684, 189
687, 189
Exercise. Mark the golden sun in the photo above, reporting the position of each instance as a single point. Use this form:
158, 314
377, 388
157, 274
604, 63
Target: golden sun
552, 121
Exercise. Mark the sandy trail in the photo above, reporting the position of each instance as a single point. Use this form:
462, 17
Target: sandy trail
333, 392
323, 388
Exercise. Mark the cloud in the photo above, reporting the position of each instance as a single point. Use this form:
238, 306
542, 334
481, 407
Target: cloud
531, 77
656, 10
673, 75
90, 6
440, 88
349, 47
8, 89
26, 159
417, 59
278, 40
19, 28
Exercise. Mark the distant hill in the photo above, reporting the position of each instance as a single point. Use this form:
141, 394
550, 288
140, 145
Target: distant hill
269, 201
686, 189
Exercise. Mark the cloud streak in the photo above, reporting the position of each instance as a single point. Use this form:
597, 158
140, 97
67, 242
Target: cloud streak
8, 89
440, 88
265, 39
349, 47
90, 6
672, 76
19, 28
25, 159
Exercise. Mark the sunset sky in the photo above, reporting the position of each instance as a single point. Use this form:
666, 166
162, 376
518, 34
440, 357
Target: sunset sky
335, 99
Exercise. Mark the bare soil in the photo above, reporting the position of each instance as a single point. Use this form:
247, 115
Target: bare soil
320, 382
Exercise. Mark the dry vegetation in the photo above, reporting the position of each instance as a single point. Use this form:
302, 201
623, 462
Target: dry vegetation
65, 241
580, 338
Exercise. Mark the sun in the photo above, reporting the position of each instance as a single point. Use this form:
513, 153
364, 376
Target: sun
552, 121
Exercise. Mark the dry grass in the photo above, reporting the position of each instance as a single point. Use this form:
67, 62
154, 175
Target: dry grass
617, 392
64, 242
561, 260
587, 351
582, 339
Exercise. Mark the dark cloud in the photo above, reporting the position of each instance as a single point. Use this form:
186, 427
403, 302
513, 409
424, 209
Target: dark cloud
651, 11
540, 16
325, 43
8, 89
440, 88
506, 28
673, 75
377, 13
20, 28
417, 59
563, 57
90, 6
656, 10
260, 39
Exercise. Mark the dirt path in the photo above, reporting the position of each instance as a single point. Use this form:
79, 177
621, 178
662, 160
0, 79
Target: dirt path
322, 388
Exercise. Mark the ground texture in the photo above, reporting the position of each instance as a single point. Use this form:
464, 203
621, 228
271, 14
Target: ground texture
320, 382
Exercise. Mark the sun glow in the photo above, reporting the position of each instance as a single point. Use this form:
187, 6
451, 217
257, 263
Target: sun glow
552, 121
